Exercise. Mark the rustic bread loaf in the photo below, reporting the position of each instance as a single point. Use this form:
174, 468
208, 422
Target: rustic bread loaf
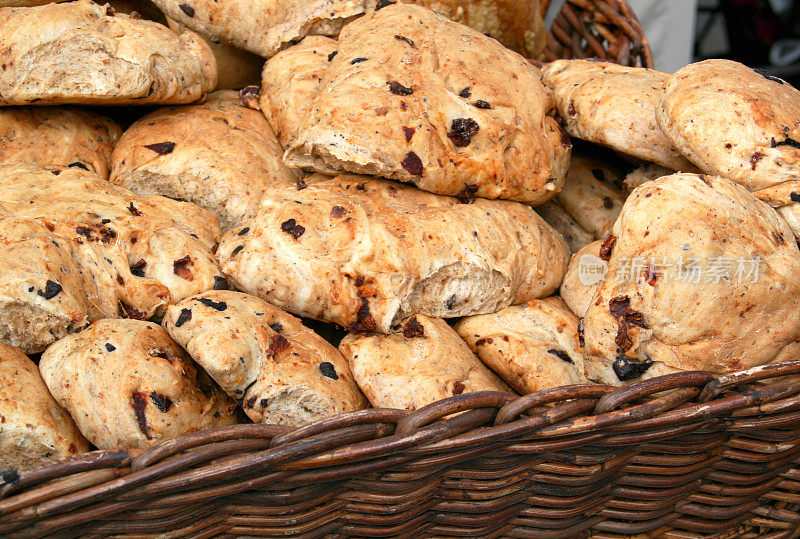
129, 386
366, 253
737, 123
75, 249
702, 276
734, 122
423, 362
533, 346
61, 136
81, 52
34, 429
264, 27
218, 154
615, 106
291, 81
278, 369
415, 97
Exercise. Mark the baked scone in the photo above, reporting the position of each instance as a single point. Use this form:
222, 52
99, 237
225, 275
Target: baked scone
517, 24
615, 106
557, 217
129, 386
366, 253
533, 346
34, 429
734, 122
279, 370
702, 276
415, 97
291, 81
218, 154
644, 173
589, 197
61, 136
81, 52
74, 248
264, 27
585, 272
423, 362
236, 68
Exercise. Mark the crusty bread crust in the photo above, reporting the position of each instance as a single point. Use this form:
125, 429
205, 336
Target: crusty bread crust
615, 106
436, 364
34, 429
129, 386
366, 253
279, 370
415, 97
61, 136
80, 52
223, 157
74, 248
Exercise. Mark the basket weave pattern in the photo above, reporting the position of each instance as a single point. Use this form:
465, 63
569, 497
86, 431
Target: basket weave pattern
604, 29
678, 456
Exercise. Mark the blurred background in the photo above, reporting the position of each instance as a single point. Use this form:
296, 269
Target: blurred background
763, 34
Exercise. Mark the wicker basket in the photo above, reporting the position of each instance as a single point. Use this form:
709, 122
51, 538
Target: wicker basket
605, 29
678, 456
686, 455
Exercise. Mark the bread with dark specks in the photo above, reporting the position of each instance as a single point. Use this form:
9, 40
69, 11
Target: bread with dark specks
74, 249
83, 53
366, 253
424, 361
279, 370
61, 136
415, 97
222, 156
34, 429
129, 386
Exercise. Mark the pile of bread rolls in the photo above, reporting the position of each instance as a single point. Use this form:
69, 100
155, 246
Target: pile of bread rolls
335, 204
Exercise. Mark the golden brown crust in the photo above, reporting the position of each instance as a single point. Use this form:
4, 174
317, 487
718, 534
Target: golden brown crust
291, 81
534, 346
75, 248
80, 52
415, 97
58, 136
129, 386
615, 106
366, 253
222, 157
423, 362
34, 429
716, 287
734, 122
279, 370
264, 27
